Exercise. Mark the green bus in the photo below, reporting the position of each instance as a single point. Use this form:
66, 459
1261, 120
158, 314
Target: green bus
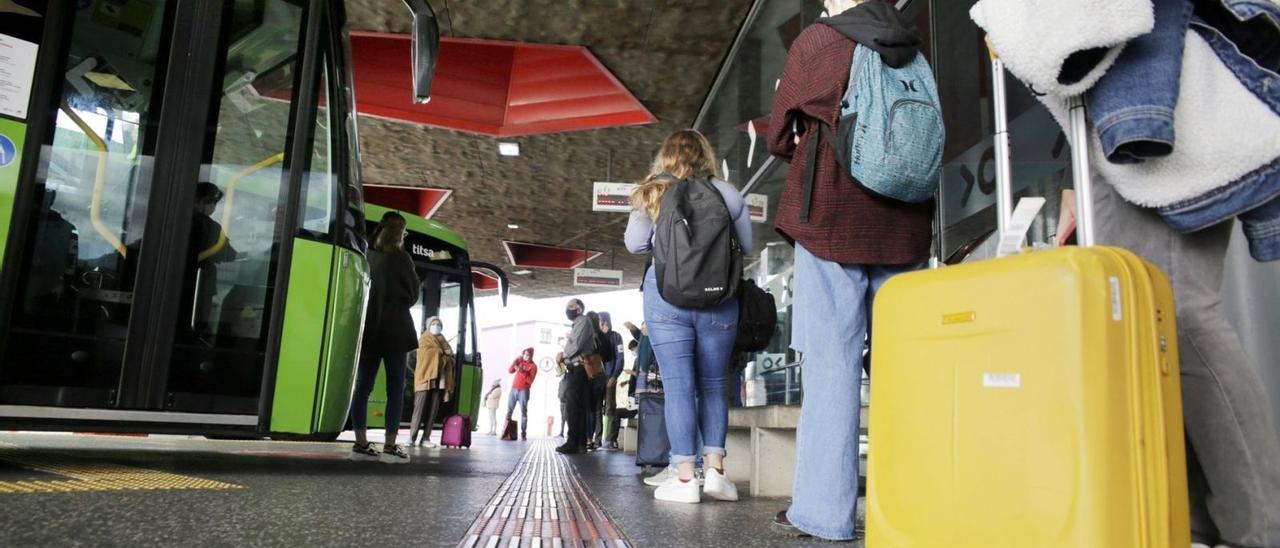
182, 228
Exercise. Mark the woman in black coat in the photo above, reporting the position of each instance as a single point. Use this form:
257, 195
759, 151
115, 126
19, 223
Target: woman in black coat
389, 335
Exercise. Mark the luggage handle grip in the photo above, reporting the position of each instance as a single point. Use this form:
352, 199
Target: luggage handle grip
1078, 136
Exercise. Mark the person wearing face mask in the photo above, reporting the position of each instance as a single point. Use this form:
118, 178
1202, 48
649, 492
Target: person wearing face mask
525, 371
432, 380
580, 344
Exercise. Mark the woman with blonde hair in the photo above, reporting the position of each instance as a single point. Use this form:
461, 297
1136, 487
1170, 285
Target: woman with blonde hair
693, 345
389, 335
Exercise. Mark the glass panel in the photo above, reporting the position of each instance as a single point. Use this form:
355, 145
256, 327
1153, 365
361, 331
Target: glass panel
1041, 157
351, 233
220, 346
319, 194
451, 310
736, 123
76, 287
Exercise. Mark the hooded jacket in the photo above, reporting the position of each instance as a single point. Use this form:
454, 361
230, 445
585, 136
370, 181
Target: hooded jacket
846, 224
613, 369
525, 371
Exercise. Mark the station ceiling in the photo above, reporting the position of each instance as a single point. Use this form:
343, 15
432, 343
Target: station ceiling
666, 52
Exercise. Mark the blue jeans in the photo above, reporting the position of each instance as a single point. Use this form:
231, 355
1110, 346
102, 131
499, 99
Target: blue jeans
521, 397
366, 374
694, 348
832, 308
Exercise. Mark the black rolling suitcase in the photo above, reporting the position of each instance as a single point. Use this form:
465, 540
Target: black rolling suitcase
652, 446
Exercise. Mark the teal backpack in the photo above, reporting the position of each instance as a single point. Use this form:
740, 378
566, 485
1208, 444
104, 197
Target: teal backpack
890, 133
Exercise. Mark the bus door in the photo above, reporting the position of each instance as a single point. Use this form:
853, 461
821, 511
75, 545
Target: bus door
149, 219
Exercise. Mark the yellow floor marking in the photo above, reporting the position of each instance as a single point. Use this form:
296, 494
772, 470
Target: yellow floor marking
89, 476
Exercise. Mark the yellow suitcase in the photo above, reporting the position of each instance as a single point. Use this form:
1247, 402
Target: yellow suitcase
1028, 401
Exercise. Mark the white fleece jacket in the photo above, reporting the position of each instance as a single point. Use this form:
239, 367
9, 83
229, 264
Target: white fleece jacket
1036, 37
1224, 132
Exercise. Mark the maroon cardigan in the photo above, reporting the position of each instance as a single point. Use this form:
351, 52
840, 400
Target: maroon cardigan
846, 224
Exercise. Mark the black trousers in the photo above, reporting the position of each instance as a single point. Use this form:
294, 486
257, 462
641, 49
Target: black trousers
577, 402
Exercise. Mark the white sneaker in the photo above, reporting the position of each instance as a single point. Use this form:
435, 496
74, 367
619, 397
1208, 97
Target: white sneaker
427, 444
719, 487
660, 478
674, 490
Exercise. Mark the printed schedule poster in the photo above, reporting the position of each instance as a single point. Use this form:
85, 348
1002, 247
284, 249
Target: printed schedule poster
21, 23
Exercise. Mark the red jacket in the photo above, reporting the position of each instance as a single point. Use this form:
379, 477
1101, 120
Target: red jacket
846, 225
525, 371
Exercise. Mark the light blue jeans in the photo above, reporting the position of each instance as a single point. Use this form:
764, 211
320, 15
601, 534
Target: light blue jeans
693, 349
832, 309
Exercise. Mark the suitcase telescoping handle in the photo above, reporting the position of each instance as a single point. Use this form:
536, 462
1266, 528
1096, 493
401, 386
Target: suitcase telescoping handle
1078, 135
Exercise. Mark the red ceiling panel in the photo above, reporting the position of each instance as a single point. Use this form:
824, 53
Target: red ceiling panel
526, 255
484, 282
491, 87
420, 200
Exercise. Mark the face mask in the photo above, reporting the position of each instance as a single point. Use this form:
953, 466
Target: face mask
572, 313
436, 329
527, 357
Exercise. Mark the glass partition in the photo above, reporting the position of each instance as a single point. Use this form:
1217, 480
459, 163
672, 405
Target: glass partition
736, 119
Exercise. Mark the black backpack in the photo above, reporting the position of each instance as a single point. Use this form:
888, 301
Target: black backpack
696, 254
757, 318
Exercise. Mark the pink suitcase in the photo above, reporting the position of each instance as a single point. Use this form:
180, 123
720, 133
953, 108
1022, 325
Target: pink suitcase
457, 432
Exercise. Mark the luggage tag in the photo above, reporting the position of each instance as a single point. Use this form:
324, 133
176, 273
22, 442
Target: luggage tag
1014, 237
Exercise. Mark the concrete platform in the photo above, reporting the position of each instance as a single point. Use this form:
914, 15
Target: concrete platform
63, 489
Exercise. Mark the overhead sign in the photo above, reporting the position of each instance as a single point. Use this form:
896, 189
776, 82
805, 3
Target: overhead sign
589, 277
612, 197
758, 206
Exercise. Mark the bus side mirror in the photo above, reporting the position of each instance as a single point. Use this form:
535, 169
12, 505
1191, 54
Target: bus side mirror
426, 48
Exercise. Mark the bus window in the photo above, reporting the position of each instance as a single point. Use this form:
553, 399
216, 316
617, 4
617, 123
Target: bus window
75, 293
451, 311
318, 195
220, 342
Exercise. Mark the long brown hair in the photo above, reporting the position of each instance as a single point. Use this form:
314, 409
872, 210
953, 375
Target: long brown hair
390, 233
685, 154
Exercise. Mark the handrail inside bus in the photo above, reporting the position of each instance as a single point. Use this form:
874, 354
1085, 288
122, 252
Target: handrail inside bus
99, 181
232, 183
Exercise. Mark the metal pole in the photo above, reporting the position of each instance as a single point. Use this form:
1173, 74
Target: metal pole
1080, 168
1004, 170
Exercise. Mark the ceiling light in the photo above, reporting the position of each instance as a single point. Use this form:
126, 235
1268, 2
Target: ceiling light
509, 149
525, 272
513, 226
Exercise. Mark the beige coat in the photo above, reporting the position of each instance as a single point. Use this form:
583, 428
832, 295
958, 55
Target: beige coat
435, 362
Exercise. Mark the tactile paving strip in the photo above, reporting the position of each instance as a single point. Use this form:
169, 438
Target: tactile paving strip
544, 504
94, 476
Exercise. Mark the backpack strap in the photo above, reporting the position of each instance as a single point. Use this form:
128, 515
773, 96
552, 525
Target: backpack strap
861, 53
810, 166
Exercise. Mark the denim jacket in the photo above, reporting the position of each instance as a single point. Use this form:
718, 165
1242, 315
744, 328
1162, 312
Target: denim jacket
1132, 104
1254, 198
1132, 111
